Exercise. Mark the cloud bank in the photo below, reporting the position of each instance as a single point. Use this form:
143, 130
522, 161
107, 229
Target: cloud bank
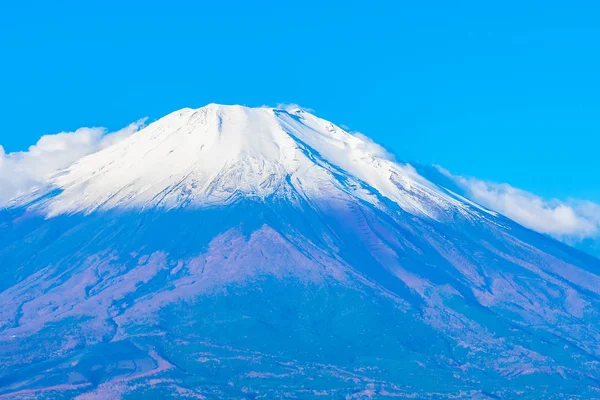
23, 171
570, 221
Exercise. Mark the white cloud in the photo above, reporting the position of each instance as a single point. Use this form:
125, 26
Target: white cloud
293, 107
23, 171
570, 221
373, 148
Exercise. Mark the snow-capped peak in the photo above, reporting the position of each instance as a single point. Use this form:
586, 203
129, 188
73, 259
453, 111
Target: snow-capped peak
216, 154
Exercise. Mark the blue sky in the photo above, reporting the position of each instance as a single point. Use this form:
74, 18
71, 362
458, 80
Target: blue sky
506, 92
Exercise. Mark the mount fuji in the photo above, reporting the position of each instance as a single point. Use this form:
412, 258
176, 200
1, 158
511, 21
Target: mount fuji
244, 253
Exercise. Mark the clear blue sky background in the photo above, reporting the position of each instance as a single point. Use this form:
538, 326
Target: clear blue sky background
508, 91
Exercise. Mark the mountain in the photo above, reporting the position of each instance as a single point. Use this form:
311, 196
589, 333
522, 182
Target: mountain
232, 252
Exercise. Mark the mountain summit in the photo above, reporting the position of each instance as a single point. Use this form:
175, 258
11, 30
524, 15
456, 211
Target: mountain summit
215, 154
234, 252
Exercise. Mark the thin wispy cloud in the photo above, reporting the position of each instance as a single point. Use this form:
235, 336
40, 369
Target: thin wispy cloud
570, 221
373, 148
23, 171
293, 107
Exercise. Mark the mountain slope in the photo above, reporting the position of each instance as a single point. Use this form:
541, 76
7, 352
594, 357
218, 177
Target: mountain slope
229, 252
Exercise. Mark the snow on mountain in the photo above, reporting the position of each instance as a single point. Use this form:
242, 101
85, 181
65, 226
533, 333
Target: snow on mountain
212, 155
231, 252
